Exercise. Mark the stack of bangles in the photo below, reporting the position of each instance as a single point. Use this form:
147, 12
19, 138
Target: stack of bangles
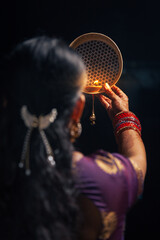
124, 121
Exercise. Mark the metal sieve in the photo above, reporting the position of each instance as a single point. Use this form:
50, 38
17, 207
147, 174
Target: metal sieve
103, 61
102, 58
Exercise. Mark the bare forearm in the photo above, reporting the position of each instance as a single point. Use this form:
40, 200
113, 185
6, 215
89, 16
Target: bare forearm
130, 144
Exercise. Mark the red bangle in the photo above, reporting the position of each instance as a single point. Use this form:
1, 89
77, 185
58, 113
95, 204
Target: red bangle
127, 125
126, 120
122, 114
127, 128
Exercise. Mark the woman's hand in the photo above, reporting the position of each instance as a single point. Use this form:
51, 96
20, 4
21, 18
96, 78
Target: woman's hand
129, 142
116, 101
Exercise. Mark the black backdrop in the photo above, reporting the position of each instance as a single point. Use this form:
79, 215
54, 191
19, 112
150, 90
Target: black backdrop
134, 26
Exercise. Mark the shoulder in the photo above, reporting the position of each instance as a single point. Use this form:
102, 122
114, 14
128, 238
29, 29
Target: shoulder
111, 168
122, 165
108, 162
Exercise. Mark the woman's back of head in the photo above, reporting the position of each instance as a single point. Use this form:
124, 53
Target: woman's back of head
47, 74
43, 74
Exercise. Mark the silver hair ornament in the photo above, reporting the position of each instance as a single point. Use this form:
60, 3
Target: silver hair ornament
42, 122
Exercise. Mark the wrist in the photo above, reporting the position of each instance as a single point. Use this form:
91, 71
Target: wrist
126, 120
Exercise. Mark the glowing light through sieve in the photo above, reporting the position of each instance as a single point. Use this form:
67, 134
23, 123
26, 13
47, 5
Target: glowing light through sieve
96, 83
103, 61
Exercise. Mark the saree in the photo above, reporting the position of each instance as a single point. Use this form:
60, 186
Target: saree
113, 183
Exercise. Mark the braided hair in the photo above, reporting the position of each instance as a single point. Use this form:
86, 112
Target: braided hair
41, 73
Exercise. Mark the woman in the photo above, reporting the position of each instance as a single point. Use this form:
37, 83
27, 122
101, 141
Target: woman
48, 191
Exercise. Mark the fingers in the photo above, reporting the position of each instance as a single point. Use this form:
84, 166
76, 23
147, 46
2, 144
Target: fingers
111, 94
114, 92
105, 101
118, 91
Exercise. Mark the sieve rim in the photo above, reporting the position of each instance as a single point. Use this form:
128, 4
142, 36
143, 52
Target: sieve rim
92, 36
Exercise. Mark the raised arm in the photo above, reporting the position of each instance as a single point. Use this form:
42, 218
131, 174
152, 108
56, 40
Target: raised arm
129, 141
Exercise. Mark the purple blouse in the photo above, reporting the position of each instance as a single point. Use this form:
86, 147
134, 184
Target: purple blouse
112, 182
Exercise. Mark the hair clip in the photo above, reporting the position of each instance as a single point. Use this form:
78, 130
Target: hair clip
42, 122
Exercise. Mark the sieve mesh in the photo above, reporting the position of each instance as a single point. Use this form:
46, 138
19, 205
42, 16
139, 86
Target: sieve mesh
102, 59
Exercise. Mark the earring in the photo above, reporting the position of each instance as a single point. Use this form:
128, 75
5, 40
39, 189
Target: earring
75, 131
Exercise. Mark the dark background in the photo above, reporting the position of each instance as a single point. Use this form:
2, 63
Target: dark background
134, 26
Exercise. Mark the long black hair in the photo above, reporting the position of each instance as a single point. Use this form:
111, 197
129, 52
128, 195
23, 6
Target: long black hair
41, 73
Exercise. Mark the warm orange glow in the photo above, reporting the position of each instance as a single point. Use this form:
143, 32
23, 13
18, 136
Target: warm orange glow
92, 89
96, 82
